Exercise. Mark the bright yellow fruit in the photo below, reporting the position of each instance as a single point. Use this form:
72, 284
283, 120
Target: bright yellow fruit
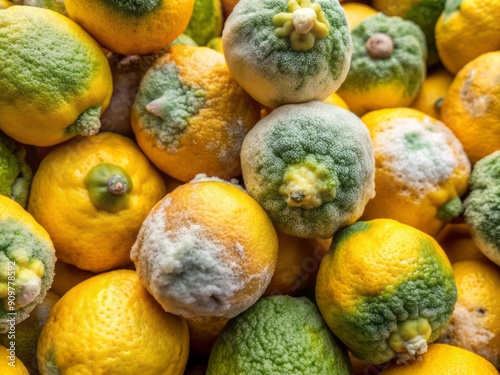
110, 324
357, 13
91, 194
10, 364
431, 96
132, 27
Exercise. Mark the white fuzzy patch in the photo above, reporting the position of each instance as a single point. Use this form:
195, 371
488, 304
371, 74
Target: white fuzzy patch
422, 169
202, 177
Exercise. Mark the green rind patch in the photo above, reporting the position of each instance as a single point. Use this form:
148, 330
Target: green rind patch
131, 8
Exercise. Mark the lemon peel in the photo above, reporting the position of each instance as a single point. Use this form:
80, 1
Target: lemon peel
303, 23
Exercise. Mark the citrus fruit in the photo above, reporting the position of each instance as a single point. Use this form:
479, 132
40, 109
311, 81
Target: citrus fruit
430, 98
474, 323
482, 206
110, 324
55, 79
27, 332
91, 194
67, 276
421, 169
216, 44
206, 250
203, 333
55, 5
190, 116
284, 52
388, 64
465, 30
424, 13
27, 260
335, 99
357, 13
386, 290
278, 335
456, 241
132, 27
471, 107
10, 364
443, 359
4, 4
205, 22
15, 172
310, 166
297, 265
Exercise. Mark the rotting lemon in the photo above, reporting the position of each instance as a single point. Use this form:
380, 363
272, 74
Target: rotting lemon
190, 116
421, 169
132, 27
55, 5
310, 166
206, 250
482, 206
386, 290
388, 64
110, 324
27, 259
471, 107
474, 323
431, 96
55, 79
284, 52
206, 21
357, 13
91, 194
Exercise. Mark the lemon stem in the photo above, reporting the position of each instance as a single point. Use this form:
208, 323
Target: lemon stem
303, 23
117, 185
379, 46
409, 340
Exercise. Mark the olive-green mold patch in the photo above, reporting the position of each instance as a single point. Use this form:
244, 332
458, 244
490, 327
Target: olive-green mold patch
450, 210
13, 235
205, 22
42, 64
278, 335
345, 234
406, 67
132, 8
87, 123
175, 101
430, 292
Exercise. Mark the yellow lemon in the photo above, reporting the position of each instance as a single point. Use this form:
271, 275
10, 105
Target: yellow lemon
110, 324
55, 79
27, 259
91, 194
203, 333
386, 290
285, 52
430, 98
190, 116
443, 359
67, 276
465, 30
421, 168
357, 13
132, 27
471, 107
10, 364
335, 99
206, 250
474, 324
4, 4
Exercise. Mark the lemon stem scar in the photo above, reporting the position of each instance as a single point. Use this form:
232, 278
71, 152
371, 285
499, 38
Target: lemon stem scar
409, 340
450, 210
308, 185
438, 104
28, 279
303, 23
379, 46
87, 123
109, 186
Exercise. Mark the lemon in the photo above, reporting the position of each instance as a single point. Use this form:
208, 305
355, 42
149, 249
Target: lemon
422, 171
15, 172
110, 324
474, 324
27, 260
190, 116
278, 335
471, 107
55, 5
357, 13
91, 194
67, 276
465, 30
443, 359
335, 99
206, 21
310, 166
9, 363
55, 79
431, 96
283, 51
386, 290
4, 4
132, 27
482, 206
388, 64
206, 250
